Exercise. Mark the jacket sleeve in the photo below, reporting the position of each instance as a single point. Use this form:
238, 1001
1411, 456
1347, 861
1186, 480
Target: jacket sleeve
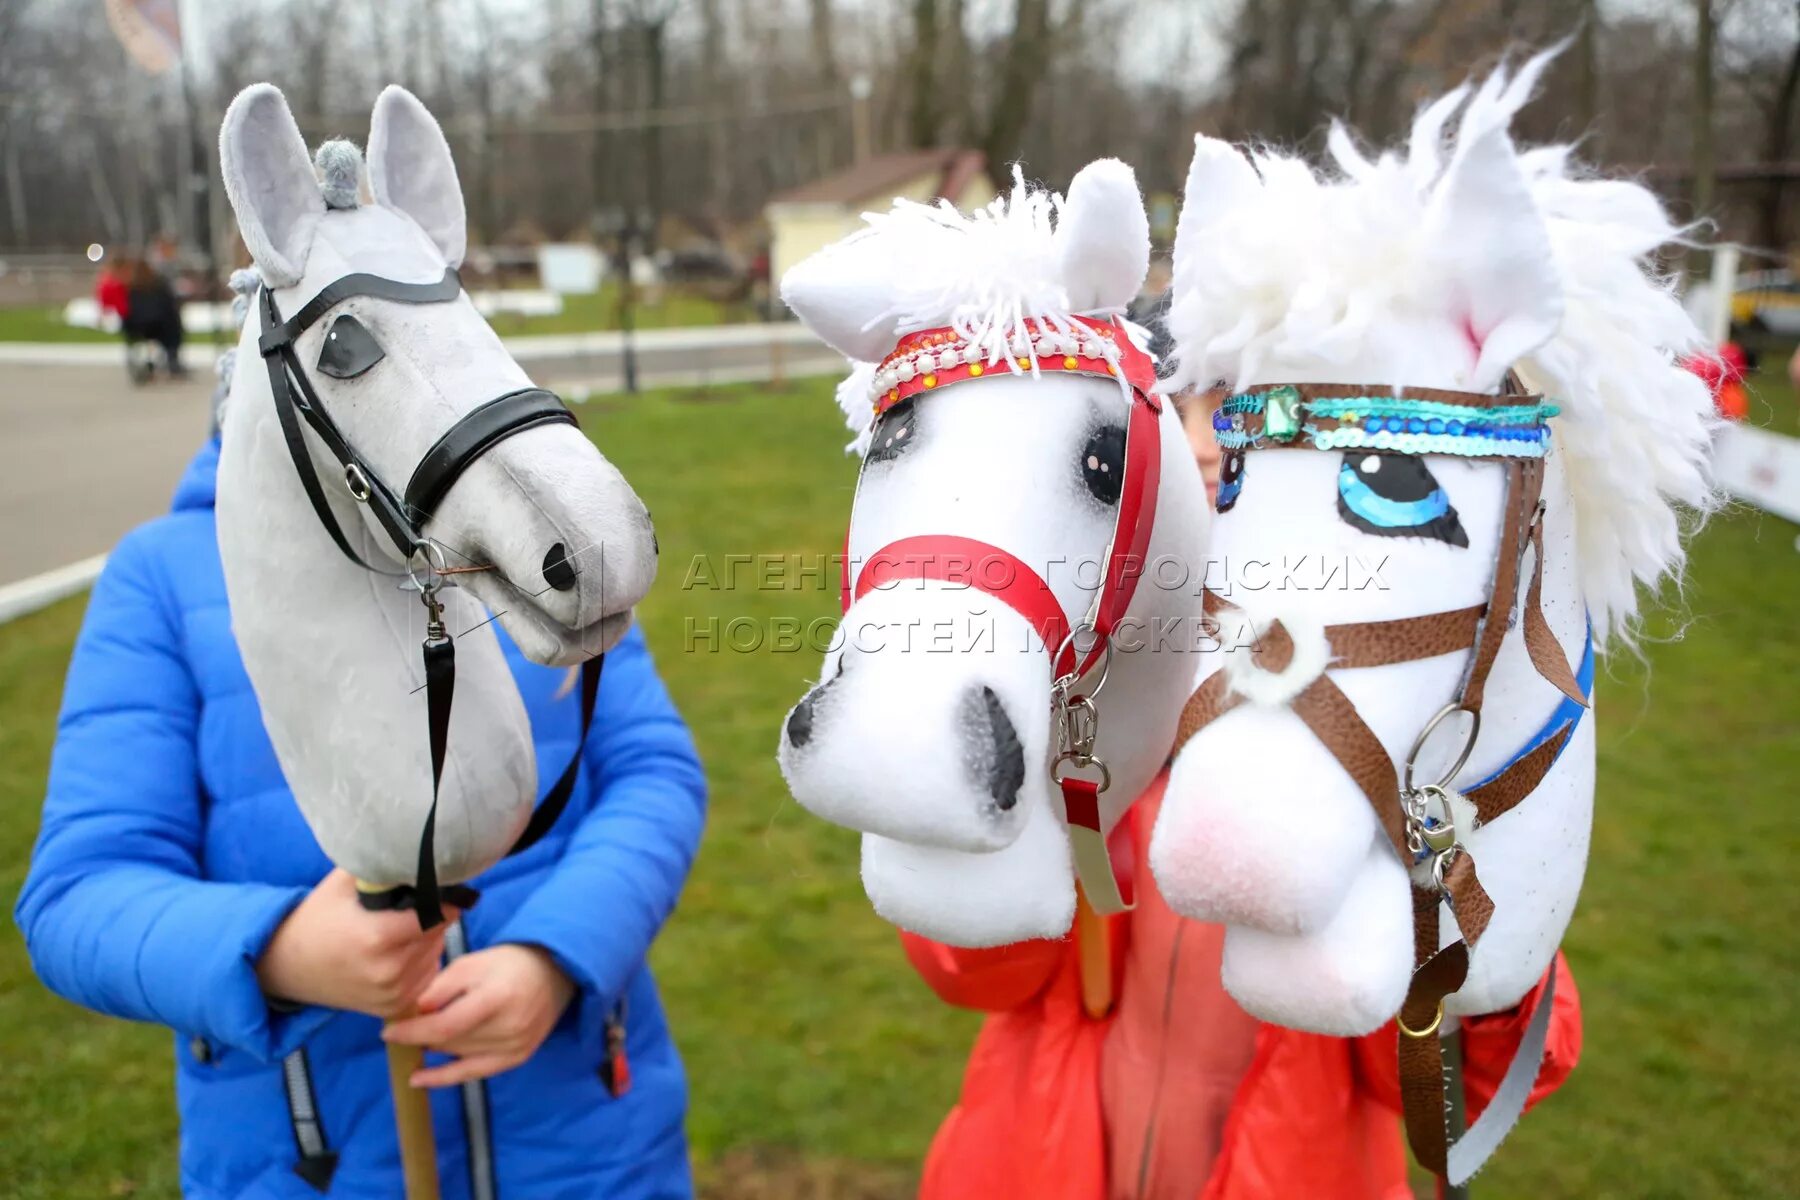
597, 911
992, 980
114, 912
1488, 1045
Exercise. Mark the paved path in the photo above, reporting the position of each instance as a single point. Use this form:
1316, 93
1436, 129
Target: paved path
84, 456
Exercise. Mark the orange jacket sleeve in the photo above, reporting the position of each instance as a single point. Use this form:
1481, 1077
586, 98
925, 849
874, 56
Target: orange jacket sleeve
1488, 1045
991, 980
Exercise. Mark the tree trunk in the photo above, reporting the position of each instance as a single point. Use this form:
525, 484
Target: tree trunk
598, 174
924, 114
656, 65
1775, 147
1587, 55
1026, 62
1705, 164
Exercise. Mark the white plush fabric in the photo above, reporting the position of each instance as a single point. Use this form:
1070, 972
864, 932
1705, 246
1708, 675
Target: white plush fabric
896, 738
1437, 265
269, 179
411, 171
332, 650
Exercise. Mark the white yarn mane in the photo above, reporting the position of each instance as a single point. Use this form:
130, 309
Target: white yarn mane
988, 271
1322, 257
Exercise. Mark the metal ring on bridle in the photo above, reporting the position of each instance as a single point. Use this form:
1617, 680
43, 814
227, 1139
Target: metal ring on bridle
437, 564
1081, 761
1462, 758
1066, 681
358, 483
1428, 1030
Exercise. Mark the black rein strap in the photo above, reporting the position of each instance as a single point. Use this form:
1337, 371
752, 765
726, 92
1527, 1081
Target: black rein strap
403, 516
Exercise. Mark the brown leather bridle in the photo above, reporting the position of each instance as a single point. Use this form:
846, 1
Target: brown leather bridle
1402, 811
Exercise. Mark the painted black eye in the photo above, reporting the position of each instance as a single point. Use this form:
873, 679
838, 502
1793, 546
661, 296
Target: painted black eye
1231, 480
1103, 463
895, 432
349, 349
1396, 495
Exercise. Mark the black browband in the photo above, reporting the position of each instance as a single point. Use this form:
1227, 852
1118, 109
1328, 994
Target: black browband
403, 516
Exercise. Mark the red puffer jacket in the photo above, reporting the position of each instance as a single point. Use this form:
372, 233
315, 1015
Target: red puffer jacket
1176, 1094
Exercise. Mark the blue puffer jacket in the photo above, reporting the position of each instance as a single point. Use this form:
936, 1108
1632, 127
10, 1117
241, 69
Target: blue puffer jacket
171, 849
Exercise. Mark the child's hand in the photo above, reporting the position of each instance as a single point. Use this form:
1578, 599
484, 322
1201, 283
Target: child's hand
331, 951
492, 1009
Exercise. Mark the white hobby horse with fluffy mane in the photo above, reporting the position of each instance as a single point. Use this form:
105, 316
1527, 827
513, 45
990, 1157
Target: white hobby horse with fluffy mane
1398, 297
998, 428
363, 325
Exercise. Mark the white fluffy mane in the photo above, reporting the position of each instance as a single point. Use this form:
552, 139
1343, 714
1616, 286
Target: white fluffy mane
1319, 258
985, 273
989, 269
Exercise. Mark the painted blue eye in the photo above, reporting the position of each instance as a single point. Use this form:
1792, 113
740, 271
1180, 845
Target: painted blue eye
1395, 495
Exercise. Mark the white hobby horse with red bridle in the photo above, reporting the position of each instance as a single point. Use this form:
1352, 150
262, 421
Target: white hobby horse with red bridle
1456, 356
1028, 524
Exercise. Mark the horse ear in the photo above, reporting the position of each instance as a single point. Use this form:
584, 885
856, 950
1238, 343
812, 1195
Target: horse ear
844, 293
269, 178
1103, 237
1504, 284
1219, 180
411, 171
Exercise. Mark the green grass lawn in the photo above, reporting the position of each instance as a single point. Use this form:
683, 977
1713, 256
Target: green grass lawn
820, 1066
581, 314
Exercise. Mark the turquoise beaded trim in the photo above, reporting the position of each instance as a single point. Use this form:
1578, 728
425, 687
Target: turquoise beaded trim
1400, 425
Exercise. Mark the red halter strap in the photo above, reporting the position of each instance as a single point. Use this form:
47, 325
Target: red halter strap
998, 572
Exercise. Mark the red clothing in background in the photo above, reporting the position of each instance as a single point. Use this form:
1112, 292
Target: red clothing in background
1178, 1094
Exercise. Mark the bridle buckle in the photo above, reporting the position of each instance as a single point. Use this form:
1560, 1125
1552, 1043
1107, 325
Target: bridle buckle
357, 482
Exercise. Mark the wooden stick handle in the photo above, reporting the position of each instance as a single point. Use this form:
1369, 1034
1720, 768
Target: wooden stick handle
412, 1111
412, 1120
1093, 943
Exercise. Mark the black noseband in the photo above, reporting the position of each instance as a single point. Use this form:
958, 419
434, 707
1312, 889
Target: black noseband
477, 432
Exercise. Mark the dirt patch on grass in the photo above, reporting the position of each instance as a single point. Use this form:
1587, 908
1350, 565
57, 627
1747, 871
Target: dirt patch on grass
775, 1175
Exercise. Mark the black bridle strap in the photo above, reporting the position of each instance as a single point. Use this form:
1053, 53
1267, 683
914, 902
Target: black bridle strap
282, 333
557, 798
477, 432
285, 378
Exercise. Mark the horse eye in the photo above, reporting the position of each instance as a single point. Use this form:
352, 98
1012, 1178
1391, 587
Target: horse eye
1231, 480
895, 433
1395, 495
1103, 463
349, 349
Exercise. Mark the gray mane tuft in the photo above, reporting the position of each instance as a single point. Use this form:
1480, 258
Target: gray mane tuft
243, 285
340, 166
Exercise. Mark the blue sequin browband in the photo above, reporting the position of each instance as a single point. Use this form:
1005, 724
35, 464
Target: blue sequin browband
1410, 421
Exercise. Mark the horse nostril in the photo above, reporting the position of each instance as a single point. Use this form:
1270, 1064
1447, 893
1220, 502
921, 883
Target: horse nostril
800, 722
559, 572
994, 754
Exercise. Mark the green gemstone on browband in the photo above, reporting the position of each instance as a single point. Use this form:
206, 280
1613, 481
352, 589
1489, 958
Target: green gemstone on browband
1281, 413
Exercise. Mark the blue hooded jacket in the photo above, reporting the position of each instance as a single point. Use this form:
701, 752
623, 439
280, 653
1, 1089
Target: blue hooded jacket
171, 849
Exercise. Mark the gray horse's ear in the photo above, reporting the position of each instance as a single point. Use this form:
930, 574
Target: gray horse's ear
411, 171
269, 178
